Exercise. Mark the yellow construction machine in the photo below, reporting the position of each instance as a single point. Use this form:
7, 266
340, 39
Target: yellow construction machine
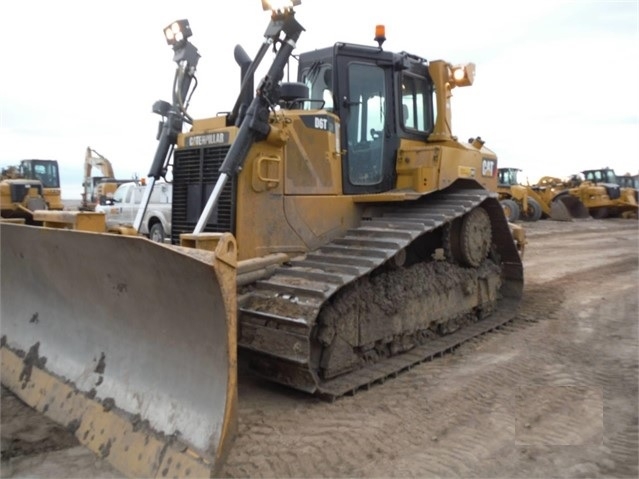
32, 185
628, 181
548, 198
600, 191
332, 229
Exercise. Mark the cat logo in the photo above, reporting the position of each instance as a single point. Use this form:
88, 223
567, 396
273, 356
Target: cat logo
488, 167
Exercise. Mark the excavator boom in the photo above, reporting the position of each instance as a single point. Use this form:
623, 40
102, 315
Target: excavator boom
96, 187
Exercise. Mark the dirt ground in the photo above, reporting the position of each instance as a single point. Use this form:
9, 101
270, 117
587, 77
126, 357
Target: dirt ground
554, 393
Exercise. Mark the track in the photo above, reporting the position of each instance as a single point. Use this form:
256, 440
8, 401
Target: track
283, 316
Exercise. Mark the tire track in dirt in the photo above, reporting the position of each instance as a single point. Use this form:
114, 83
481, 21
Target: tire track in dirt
607, 373
612, 319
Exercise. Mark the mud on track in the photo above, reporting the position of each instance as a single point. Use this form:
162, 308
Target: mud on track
552, 394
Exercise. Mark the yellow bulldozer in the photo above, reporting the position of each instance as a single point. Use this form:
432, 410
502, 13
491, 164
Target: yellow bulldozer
332, 230
548, 198
32, 185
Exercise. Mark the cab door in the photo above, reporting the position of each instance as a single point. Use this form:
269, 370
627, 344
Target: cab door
365, 103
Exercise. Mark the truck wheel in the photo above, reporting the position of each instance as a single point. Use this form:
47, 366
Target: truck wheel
157, 233
511, 209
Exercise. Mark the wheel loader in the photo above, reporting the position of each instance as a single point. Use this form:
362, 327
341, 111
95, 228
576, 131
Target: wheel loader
548, 198
332, 231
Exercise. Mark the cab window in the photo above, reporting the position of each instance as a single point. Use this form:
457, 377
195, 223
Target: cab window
366, 123
319, 80
415, 109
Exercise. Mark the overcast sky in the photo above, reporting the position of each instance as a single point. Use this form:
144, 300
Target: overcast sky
556, 89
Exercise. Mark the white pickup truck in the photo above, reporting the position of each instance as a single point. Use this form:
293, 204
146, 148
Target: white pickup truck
121, 209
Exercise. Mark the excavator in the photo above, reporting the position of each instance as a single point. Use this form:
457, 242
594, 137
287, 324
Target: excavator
97, 188
330, 232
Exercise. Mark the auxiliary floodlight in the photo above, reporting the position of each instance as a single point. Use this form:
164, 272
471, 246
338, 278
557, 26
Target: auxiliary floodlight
177, 31
463, 75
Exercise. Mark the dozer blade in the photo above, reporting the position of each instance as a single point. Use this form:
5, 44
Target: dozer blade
128, 343
566, 208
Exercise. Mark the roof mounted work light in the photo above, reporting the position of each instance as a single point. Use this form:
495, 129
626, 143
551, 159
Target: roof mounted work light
279, 6
177, 31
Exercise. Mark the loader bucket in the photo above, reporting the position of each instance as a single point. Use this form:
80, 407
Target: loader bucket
128, 343
565, 207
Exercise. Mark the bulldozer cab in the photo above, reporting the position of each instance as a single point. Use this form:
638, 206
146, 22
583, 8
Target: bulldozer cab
45, 171
380, 97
